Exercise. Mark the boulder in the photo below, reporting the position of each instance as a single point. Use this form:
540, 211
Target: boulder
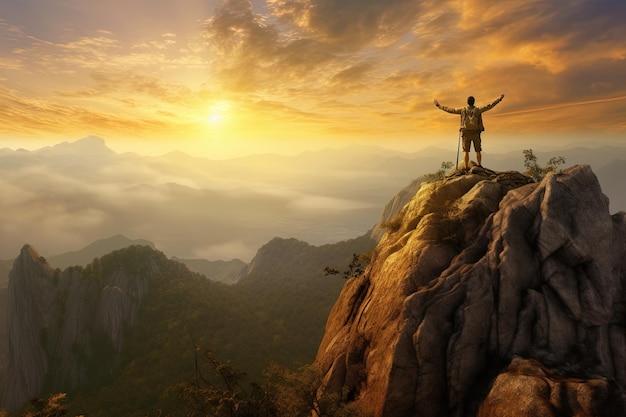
482, 268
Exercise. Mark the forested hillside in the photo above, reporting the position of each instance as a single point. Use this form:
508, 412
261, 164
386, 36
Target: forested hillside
275, 314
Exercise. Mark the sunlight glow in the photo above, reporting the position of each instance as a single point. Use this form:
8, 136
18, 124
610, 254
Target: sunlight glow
214, 118
218, 112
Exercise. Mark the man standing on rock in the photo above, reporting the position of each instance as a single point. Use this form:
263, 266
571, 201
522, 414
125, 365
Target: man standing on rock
471, 125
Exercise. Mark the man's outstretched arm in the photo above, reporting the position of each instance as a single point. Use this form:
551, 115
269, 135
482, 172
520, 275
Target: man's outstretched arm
492, 105
446, 108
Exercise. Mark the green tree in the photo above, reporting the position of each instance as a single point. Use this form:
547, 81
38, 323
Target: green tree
533, 169
440, 174
394, 224
223, 392
297, 394
355, 268
54, 406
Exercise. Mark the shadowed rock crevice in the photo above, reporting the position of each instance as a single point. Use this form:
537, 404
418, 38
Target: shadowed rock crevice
485, 268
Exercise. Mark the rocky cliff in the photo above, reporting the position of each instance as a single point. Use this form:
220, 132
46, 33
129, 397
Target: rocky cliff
394, 206
65, 328
488, 296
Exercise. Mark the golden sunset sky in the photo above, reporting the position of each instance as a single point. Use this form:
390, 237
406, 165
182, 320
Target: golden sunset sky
226, 78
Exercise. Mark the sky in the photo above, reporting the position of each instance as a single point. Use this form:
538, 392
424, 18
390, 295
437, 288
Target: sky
227, 78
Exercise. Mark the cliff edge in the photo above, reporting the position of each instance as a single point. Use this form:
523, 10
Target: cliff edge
488, 295
65, 328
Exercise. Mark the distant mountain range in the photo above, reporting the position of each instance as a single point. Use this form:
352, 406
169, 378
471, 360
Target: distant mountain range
221, 271
5, 268
193, 207
63, 197
95, 250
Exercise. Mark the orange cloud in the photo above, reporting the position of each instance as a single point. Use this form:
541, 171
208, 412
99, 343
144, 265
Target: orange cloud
318, 66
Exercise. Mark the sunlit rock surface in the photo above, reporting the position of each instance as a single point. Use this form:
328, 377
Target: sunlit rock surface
477, 271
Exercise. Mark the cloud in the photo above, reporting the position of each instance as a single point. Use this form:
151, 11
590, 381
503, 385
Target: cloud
354, 74
316, 67
330, 47
349, 24
63, 197
35, 116
226, 250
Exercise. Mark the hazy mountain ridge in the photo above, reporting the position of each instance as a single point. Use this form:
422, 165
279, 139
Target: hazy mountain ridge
222, 271
282, 255
611, 177
227, 272
218, 209
3, 331
205, 209
95, 249
5, 268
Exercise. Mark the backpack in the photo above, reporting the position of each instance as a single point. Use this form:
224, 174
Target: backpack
472, 120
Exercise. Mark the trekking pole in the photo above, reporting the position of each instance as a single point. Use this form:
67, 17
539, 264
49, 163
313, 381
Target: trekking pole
458, 148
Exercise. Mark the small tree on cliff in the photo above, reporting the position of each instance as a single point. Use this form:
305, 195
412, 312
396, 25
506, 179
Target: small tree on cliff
533, 169
439, 175
355, 268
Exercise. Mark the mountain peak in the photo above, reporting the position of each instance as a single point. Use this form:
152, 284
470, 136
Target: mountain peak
96, 249
30, 256
472, 274
91, 140
278, 253
89, 146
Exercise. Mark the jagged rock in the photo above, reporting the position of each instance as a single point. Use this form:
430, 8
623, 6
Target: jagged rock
510, 179
526, 388
483, 268
393, 207
30, 299
66, 328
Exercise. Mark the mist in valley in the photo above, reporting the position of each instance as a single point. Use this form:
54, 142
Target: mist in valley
63, 197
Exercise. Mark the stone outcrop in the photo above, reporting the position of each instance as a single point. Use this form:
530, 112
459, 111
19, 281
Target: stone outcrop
526, 388
65, 328
394, 206
29, 307
480, 272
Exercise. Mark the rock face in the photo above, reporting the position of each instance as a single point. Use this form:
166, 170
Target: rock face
28, 313
65, 328
394, 206
526, 388
482, 272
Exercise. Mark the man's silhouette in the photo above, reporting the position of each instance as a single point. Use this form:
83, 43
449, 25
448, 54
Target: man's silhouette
471, 125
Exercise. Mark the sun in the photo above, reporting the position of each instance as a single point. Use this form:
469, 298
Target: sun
217, 113
214, 118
